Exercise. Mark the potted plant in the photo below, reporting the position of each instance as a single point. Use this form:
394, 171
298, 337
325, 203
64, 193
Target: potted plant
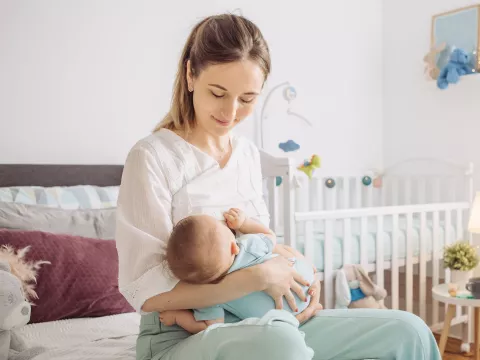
461, 258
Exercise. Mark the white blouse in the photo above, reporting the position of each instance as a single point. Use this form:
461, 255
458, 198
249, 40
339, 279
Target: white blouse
164, 180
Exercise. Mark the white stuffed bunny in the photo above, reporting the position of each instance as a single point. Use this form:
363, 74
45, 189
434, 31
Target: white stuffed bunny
14, 312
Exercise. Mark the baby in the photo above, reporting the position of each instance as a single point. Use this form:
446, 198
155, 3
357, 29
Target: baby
204, 250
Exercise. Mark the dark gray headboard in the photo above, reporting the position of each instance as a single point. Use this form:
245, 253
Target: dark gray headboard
60, 175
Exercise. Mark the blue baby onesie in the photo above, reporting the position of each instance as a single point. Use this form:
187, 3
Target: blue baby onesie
255, 249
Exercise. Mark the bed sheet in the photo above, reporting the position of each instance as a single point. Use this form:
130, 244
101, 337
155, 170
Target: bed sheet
355, 253
107, 338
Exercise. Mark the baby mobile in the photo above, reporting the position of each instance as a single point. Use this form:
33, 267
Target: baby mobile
290, 94
308, 166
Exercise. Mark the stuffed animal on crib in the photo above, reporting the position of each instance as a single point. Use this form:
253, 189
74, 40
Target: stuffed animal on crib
14, 312
458, 65
355, 290
309, 166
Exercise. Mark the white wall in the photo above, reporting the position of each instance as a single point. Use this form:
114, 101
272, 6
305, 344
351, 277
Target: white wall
81, 81
420, 119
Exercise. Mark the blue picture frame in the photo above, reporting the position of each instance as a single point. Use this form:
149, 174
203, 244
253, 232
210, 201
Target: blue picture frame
459, 28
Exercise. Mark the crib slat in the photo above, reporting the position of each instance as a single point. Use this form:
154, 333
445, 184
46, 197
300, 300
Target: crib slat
448, 238
328, 265
383, 191
408, 191
452, 186
289, 210
369, 192
436, 260
333, 197
421, 191
409, 264
309, 240
380, 252
346, 192
459, 225
395, 282
358, 192
395, 194
423, 266
317, 195
363, 242
347, 241
272, 203
437, 186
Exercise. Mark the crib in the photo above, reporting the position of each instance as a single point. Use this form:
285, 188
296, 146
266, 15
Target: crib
394, 223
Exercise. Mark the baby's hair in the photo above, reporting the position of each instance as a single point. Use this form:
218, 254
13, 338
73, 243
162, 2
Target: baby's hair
191, 251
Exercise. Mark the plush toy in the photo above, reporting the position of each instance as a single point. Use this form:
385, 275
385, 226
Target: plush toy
309, 166
354, 289
14, 312
458, 65
431, 70
16, 289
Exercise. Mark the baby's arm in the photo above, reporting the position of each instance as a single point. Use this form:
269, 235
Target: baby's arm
236, 220
186, 320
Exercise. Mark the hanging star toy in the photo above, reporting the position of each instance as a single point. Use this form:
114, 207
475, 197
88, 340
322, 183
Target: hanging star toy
309, 166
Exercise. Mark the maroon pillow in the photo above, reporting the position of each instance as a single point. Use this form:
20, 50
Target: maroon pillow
81, 281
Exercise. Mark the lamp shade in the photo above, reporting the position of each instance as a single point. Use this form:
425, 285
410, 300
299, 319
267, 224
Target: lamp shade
474, 222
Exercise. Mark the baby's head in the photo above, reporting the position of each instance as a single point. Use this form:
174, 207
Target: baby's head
201, 249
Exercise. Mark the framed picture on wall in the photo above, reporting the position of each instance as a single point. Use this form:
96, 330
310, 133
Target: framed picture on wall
459, 28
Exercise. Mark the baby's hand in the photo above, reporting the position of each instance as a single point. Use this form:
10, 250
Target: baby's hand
235, 218
169, 318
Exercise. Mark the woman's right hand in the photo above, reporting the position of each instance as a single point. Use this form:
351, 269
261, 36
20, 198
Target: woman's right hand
280, 279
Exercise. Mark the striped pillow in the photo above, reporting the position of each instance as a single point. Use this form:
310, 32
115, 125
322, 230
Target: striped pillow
62, 197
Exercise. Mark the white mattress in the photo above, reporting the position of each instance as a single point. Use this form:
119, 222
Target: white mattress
106, 338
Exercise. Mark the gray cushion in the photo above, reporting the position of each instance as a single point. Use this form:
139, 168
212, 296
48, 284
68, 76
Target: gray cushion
91, 223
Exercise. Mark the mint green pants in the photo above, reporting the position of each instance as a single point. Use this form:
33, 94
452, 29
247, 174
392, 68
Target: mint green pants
332, 334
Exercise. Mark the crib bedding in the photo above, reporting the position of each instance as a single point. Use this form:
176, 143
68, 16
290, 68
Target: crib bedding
355, 252
107, 338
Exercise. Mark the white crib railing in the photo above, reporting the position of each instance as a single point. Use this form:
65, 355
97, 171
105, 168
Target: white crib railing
297, 193
436, 213
421, 201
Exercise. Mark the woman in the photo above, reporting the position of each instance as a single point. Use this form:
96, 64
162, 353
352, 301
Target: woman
192, 164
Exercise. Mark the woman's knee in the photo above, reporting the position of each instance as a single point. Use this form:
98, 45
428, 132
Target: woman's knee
416, 335
411, 325
278, 340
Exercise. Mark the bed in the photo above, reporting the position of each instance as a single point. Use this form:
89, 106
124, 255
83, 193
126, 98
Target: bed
396, 235
108, 337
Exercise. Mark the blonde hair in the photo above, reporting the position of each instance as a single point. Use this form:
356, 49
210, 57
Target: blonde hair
214, 40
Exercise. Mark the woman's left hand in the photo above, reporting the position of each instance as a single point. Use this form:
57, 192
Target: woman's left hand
314, 307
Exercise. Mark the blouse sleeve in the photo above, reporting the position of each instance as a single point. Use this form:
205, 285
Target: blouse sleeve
143, 226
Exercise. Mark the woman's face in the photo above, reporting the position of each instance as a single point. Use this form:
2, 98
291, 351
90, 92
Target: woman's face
225, 94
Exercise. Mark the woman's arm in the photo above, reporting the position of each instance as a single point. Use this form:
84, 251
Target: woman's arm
193, 296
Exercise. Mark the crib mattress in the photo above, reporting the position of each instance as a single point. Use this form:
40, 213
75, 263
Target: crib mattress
371, 247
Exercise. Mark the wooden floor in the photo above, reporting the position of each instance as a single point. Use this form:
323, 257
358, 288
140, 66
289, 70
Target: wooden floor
452, 352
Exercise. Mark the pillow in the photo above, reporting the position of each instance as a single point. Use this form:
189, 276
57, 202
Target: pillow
99, 224
63, 197
81, 281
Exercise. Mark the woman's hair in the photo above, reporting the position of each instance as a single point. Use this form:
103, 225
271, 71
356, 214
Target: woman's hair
215, 40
